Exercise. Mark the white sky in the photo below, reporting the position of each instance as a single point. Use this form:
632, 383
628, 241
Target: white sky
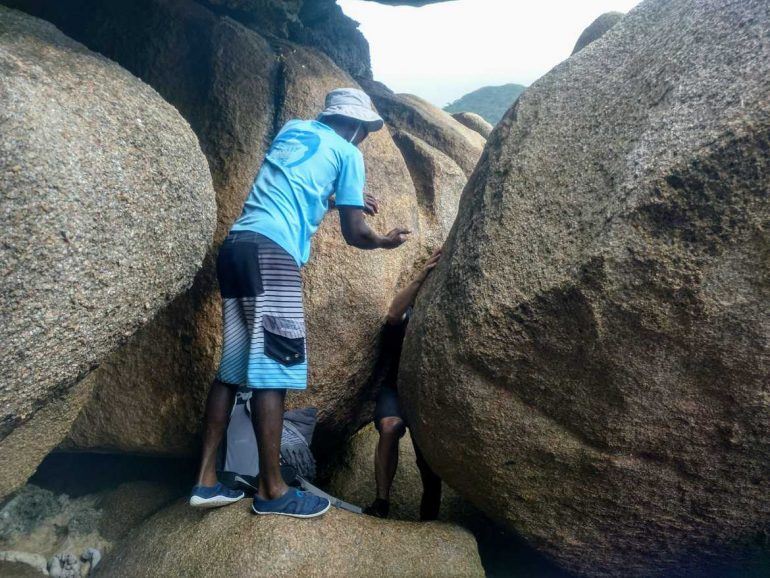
443, 51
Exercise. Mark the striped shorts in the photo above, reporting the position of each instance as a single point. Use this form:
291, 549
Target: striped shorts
264, 323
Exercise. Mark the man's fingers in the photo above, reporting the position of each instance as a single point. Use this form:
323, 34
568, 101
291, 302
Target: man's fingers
372, 204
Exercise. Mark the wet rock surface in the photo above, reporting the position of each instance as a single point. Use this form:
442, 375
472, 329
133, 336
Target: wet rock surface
595, 338
108, 210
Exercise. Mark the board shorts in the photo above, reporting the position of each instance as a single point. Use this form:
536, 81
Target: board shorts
263, 317
387, 405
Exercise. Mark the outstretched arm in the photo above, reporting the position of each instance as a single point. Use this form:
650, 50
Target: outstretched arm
358, 234
404, 299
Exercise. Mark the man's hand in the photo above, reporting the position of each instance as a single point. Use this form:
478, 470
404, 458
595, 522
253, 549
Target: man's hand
395, 238
371, 204
358, 234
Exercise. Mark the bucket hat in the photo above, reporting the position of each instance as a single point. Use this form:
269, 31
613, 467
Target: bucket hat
352, 103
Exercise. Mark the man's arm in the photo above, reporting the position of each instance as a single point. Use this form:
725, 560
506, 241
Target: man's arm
358, 234
404, 299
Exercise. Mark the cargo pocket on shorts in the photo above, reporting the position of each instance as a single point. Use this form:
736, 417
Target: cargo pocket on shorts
284, 339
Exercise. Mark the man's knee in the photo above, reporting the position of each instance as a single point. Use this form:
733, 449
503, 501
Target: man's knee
392, 426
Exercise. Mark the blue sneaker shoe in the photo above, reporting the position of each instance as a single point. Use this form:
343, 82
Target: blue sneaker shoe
293, 503
214, 496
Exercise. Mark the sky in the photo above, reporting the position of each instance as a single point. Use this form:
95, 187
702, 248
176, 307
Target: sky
443, 51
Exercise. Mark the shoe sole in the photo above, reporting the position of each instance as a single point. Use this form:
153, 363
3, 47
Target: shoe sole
321, 513
208, 503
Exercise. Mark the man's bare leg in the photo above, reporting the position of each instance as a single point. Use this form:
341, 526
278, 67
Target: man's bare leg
267, 418
218, 407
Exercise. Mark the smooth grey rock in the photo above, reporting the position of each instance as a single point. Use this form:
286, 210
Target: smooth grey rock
589, 362
439, 182
418, 117
474, 122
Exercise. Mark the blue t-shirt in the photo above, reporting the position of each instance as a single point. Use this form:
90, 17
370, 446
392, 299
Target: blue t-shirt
306, 164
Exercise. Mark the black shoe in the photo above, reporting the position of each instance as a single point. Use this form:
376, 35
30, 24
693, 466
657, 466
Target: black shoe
378, 509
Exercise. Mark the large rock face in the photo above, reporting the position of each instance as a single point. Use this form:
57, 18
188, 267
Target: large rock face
233, 542
221, 76
236, 93
439, 182
440, 152
412, 114
597, 29
107, 212
596, 337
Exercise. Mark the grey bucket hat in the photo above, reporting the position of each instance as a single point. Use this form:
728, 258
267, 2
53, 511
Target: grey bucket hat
352, 103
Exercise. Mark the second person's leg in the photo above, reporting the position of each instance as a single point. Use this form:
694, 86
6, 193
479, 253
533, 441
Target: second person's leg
391, 430
430, 504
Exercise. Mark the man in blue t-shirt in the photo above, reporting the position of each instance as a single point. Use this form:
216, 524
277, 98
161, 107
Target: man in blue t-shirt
258, 269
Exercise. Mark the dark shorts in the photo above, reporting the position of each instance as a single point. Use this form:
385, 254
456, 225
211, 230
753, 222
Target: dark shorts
263, 317
387, 405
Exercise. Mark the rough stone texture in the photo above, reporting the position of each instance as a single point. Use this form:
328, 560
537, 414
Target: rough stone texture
130, 504
221, 77
474, 122
437, 128
26, 446
272, 16
107, 212
325, 27
354, 482
21, 565
150, 403
46, 523
439, 182
596, 337
347, 291
439, 151
233, 542
597, 29
317, 23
